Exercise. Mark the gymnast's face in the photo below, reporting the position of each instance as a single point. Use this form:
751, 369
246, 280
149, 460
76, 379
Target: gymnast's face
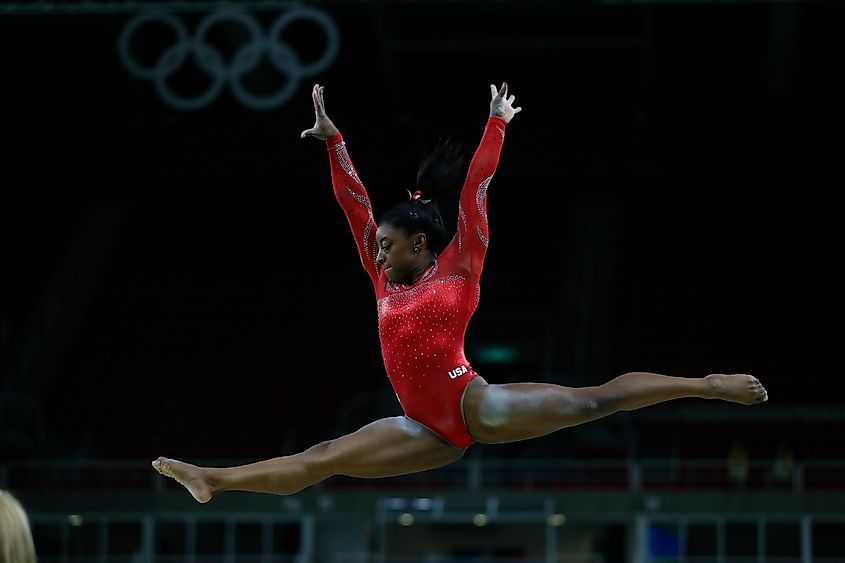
396, 253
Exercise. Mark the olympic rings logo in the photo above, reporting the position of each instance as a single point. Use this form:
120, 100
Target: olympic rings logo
245, 59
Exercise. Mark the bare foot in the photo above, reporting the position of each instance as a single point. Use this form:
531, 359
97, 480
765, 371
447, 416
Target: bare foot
187, 475
737, 388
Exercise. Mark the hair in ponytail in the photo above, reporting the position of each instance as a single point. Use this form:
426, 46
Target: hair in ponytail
439, 180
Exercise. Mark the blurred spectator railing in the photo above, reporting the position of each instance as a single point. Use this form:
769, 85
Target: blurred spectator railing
466, 474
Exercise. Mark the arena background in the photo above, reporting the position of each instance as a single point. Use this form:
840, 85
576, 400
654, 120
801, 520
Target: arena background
179, 280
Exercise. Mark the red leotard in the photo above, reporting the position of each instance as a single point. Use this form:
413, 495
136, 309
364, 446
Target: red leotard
422, 325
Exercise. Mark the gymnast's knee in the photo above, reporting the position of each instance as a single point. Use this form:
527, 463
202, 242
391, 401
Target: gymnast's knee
317, 460
600, 401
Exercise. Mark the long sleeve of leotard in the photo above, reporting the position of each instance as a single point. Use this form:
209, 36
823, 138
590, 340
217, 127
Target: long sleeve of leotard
355, 202
472, 236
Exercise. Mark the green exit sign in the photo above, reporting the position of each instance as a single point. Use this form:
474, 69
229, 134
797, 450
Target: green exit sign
493, 354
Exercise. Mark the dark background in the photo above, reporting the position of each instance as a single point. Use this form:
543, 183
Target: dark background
184, 283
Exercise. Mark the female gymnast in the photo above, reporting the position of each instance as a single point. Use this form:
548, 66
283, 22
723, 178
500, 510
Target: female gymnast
427, 288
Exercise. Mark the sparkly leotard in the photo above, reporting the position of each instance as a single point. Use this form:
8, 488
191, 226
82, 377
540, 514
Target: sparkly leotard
422, 325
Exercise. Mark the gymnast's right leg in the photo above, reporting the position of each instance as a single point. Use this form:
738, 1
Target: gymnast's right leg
384, 448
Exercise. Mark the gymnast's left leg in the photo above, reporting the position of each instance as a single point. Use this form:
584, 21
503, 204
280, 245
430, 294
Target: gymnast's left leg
384, 448
519, 411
